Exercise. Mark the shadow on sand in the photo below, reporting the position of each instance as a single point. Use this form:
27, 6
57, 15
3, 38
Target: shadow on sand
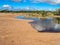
50, 31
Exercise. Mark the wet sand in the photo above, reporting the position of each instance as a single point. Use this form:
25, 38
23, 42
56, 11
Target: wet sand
14, 31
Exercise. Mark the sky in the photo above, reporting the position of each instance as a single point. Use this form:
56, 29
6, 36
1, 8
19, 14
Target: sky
30, 4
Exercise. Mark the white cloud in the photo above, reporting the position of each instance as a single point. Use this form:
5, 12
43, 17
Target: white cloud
27, 8
24, 0
48, 1
7, 6
17, 0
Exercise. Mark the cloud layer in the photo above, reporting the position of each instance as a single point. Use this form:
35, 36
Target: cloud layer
47, 1
38, 1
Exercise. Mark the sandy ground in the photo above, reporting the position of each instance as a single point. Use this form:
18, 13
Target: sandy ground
19, 32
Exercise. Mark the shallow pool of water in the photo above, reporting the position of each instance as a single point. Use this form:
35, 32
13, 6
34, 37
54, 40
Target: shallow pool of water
23, 17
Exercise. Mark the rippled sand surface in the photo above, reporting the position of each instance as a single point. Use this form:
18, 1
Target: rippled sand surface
19, 32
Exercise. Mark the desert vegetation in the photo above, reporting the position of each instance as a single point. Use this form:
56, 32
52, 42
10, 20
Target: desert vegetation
37, 14
34, 13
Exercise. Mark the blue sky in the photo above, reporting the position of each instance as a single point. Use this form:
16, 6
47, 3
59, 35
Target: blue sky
30, 4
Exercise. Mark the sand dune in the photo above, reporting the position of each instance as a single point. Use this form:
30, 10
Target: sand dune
19, 32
